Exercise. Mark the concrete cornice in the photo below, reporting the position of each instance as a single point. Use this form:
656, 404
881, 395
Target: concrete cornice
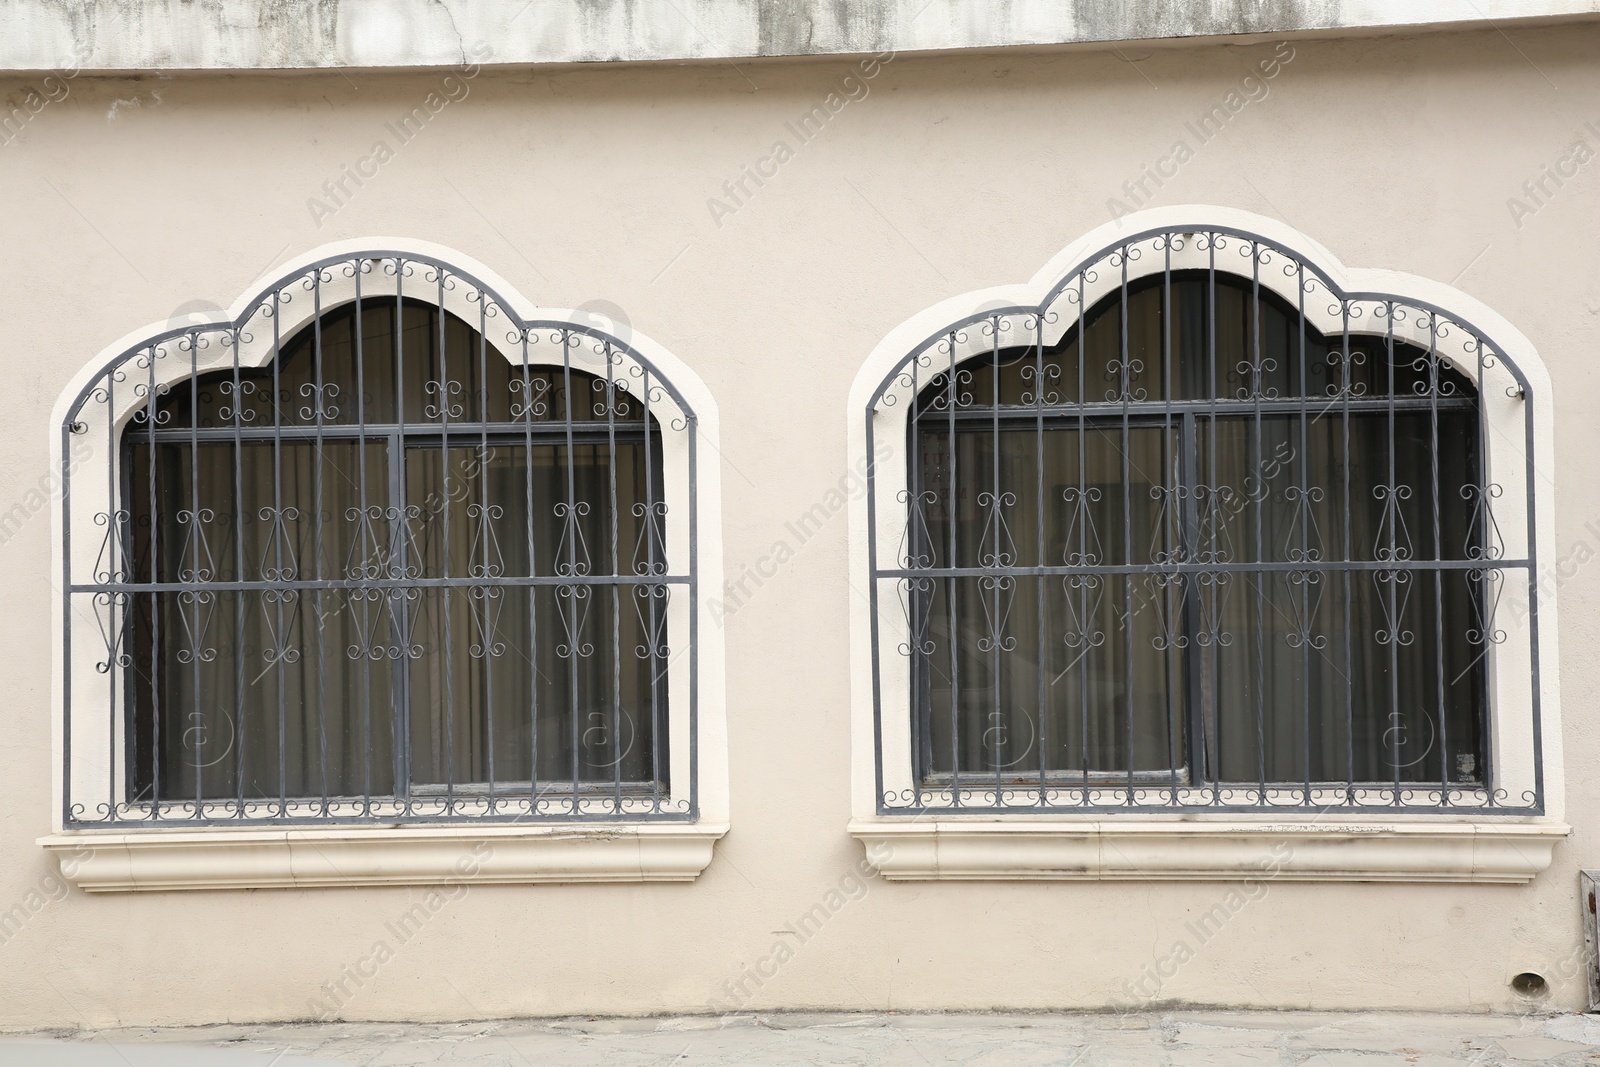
243, 35
221, 858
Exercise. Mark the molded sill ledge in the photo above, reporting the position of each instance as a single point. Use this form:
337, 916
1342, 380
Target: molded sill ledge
1194, 850
101, 862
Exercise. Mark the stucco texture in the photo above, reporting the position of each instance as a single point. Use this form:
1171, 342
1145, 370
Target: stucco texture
128, 199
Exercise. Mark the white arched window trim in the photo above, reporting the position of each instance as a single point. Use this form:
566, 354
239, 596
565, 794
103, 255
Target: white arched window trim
177, 857
1298, 844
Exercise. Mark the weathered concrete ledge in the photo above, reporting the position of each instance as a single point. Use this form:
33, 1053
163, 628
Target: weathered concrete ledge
1528, 1031
1232, 850
500, 854
179, 35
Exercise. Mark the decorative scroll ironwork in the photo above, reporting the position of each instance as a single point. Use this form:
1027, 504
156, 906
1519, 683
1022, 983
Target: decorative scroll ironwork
406, 560
1201, 531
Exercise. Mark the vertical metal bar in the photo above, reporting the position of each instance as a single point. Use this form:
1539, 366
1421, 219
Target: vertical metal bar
363, 520
1188, 475
66, 611
1042, 732
196, 574
125, 450
1438, 556
1126, 382
1169, 475
655, 614
400, 599
120, 623
873, 582
485, 517
998, 561
152, 397
1532, 533
1487, 744
319, 526
238, 567
1305, 532
443, 363
953, 393
1346, 391
571, 539
1211, 678
1085, 506
691, 425
533, 590
1260, 578
277, 533
1396, 576
616, 605
917, 591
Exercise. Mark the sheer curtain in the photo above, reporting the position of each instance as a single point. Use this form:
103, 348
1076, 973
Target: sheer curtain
1250, 478
426, 459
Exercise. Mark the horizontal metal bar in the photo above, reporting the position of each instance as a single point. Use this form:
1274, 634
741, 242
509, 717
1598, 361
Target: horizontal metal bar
1153, 780
385, 819
310, 585
1152, 410
922, 810
507, 432
503, 791
1334, 566
1161, 781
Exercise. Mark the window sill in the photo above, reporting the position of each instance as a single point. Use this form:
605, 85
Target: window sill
1209, 850
100, 862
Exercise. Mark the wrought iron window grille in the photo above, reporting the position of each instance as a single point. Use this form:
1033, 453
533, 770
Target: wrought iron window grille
380, 550
1203, 532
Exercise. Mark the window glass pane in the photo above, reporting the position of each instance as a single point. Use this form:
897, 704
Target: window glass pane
1095, 652
260, 693
1317, 486
562, 680
1331, 673
1105, 494
1105, 682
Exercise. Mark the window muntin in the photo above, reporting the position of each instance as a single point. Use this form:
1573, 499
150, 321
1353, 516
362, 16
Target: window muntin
406, 575
1145, 440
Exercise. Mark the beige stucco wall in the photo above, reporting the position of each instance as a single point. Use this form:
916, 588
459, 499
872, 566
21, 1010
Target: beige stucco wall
128, 199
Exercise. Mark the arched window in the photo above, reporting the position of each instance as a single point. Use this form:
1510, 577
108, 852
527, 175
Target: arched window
1201, 529
381, 550
1202, 467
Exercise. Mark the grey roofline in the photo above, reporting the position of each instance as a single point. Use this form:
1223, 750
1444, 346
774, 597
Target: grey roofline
259, 35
